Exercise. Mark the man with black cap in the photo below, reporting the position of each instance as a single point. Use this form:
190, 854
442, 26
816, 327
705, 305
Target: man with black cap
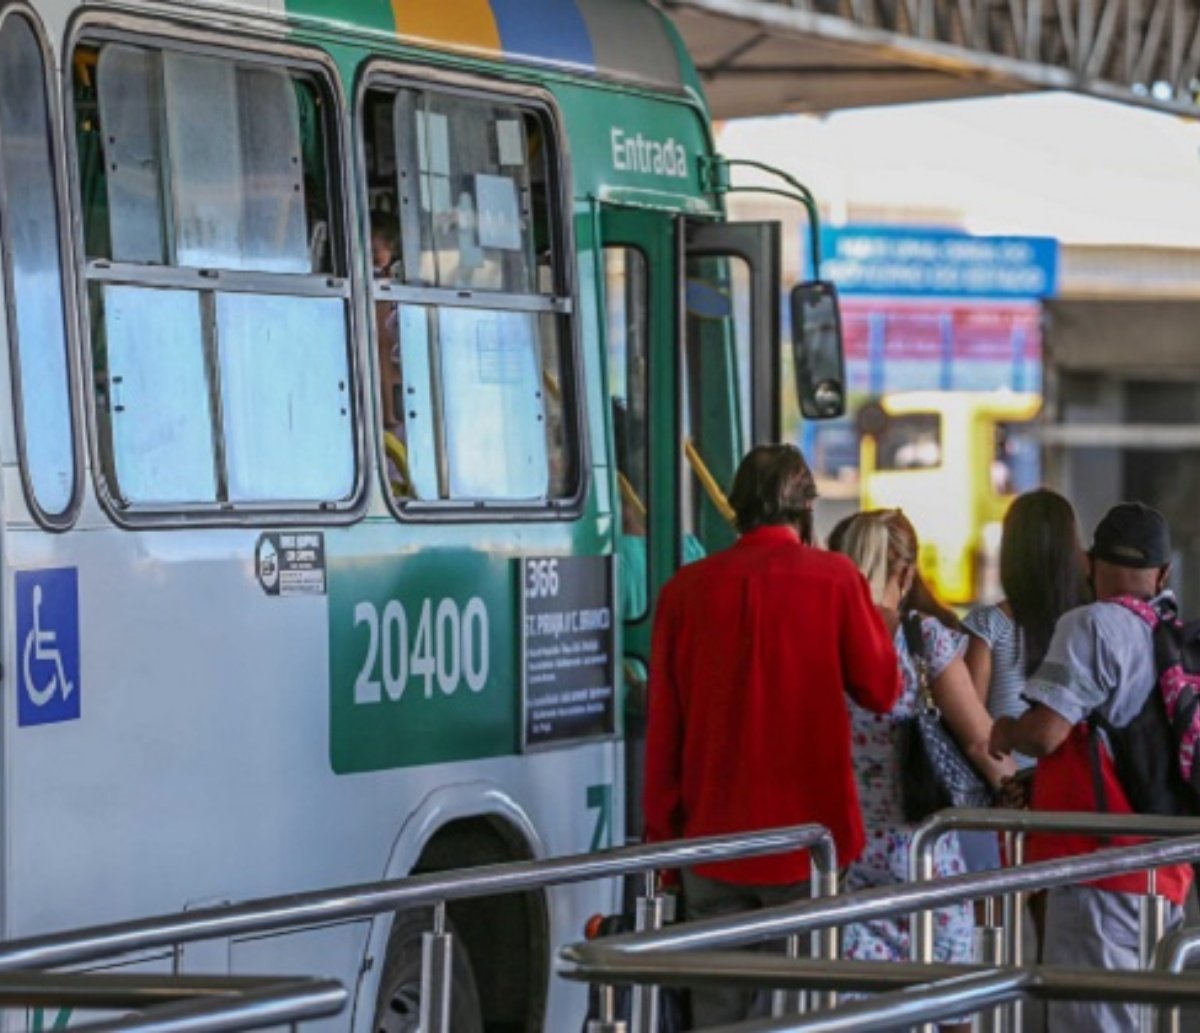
1100, 662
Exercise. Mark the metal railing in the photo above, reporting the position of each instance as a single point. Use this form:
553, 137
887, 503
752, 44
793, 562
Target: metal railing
906, 992
435, 890
176, 1004
619, 959
1003, 944
1175, 953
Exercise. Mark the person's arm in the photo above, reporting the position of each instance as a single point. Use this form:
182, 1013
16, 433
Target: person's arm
1036, 733
979, 666
969, 721
1077, 676
661, 793
867, 653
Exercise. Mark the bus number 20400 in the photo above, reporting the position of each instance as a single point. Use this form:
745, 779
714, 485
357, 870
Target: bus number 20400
449, 646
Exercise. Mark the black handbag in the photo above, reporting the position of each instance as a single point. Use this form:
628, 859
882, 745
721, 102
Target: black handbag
934, 771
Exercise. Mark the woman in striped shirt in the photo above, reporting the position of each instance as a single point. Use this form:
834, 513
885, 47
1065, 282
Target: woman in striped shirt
1042, 575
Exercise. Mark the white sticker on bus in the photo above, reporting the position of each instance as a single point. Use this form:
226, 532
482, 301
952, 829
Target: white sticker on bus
445, 646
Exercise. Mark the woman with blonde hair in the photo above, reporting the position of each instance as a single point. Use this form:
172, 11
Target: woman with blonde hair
883, 544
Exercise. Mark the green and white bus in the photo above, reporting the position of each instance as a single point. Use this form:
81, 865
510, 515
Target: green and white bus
348, 342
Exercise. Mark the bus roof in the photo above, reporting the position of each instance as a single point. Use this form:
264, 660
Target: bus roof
627, 40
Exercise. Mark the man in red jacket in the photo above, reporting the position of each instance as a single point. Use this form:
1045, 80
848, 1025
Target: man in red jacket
753, 651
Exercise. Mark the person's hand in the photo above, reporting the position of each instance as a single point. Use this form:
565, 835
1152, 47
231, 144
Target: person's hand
1014, 793
1000, 745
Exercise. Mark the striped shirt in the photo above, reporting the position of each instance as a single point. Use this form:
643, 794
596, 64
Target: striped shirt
1006, 690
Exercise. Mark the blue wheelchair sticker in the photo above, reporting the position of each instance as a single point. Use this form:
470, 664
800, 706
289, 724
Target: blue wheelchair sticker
48, 646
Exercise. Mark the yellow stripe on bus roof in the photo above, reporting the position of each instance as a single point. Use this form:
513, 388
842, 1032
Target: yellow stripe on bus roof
467, 23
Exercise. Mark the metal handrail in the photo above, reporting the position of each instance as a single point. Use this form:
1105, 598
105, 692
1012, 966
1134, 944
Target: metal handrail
883, 902
1019, 824
369, 899
1177, 950
926, 835
1174, 954
948, 999
177, 1004
908, 992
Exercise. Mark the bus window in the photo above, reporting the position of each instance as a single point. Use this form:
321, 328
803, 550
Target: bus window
220, 341
716, 410
474, 392
34, 274
910, 441
625, 292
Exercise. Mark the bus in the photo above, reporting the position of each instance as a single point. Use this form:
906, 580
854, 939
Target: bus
347, 343
953, 461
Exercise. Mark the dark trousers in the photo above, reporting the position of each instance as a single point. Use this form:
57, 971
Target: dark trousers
709, 898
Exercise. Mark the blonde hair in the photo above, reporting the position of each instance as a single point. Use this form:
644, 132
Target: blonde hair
880, 543
866, 543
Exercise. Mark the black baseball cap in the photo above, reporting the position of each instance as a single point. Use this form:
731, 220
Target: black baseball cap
1132, 534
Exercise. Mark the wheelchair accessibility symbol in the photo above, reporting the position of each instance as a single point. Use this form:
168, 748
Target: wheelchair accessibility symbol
48, 646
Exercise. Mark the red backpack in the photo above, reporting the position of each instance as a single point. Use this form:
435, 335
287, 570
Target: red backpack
1155, 755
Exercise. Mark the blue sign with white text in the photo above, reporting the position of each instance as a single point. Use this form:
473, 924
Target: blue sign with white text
901, 261
47, 646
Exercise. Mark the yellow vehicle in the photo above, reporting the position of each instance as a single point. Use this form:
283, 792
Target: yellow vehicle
952, 461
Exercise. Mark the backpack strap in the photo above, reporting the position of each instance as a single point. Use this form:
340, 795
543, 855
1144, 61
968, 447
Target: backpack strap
1095, 724
1141, 608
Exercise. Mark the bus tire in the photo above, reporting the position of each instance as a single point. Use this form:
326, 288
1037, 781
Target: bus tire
399, 1007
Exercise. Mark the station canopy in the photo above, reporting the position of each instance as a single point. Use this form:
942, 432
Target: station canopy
762, 57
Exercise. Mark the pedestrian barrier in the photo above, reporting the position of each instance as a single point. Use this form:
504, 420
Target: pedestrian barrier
653, 958
176, 1004
906, 993
371, 899
1003, 943
1175, 952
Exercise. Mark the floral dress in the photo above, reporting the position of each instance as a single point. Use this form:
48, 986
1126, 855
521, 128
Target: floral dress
884, 861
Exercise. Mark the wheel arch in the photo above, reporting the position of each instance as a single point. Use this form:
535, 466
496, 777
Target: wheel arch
464, 825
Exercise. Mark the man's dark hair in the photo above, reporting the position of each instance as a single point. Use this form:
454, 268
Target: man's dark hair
773, 486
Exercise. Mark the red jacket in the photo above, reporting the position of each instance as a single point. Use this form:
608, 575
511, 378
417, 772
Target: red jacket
753, 651
1064, 782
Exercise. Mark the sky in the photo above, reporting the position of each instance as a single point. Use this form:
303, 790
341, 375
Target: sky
1083, 170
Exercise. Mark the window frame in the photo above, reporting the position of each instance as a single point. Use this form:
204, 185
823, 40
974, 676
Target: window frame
65, 520
98, 30
384, 73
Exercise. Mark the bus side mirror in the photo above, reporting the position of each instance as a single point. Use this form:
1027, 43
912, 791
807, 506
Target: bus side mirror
817, 349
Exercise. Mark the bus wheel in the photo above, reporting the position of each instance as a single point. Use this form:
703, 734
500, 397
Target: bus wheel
399, 1008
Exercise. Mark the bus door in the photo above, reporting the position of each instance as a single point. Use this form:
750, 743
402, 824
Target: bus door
691, 330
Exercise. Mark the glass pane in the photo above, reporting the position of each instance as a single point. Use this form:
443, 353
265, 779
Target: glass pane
154, 391
406, 402
285, 400
236, 168
495, 422
716, 406
912, 441
31, 216
627, 326
130, 88
473, 211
